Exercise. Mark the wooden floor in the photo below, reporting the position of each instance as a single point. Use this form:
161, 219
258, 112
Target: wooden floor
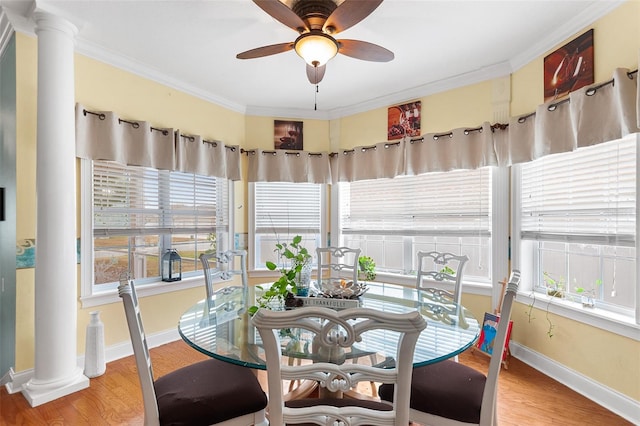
526, 397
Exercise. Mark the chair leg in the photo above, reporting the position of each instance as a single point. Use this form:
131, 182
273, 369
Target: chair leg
374, 389
294, 383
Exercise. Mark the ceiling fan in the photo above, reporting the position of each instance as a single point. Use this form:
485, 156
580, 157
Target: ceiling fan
317, 21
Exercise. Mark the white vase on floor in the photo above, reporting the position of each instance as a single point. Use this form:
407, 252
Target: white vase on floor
94, 362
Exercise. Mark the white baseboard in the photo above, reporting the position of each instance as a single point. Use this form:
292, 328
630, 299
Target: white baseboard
610, 399
16, 381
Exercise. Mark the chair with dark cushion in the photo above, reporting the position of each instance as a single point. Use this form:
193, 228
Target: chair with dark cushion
436, 268
337, 262
332, 332
206, 393
448, 393
223, 266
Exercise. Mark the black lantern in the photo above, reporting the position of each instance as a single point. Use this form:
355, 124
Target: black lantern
171, 266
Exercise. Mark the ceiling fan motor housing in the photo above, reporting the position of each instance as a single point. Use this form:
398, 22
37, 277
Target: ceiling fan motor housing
314, 13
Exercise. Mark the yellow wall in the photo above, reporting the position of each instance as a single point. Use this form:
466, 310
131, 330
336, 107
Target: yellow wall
260, 133
616, 41
605, 357
467, 106
26, 88
613, 361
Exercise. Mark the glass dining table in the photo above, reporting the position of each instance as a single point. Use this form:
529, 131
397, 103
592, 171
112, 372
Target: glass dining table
221, 328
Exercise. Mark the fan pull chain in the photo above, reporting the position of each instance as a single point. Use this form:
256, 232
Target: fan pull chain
315, 100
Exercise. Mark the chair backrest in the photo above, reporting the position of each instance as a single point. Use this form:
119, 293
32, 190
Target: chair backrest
333, 332
488, 410
334, 262
127, 291
441, 267
224, 266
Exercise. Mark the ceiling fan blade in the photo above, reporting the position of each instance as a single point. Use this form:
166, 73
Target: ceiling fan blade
365, 51
349, 13
315, 74
259, 52
282, 13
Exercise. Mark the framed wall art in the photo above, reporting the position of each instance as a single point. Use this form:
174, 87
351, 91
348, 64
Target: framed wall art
569, 68
488, 334
287, 135
404, 120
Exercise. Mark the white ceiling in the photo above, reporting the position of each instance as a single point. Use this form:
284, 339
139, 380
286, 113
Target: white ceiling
191, 45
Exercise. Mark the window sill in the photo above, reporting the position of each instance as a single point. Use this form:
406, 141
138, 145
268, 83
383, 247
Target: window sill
615, 323
148, 289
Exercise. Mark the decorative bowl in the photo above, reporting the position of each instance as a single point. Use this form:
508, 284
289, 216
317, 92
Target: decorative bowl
341, 289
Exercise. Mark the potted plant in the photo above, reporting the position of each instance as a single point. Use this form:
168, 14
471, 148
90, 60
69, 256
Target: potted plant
555, 287
588, 297
295, 273
367, 268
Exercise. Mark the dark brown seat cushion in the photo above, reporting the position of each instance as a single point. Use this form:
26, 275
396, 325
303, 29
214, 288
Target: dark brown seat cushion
446, 389
337, 402
208, 392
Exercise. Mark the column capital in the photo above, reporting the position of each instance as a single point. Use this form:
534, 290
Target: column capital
47, 21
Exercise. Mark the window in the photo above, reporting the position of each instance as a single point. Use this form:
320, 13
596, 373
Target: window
282, 210
132, 215
391, 219
578, 224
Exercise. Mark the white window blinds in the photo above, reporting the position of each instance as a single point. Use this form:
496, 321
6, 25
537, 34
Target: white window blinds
131, 200
586, 196
287, 208
443, 203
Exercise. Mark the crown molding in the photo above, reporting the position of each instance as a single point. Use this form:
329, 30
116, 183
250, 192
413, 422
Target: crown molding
564, 33
310, 114
477, 76
24, 23
133, 66
449, 83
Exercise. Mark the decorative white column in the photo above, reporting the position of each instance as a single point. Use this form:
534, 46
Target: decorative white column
501, 101
56, 373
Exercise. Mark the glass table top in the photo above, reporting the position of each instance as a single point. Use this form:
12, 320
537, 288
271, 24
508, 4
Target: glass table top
221, 328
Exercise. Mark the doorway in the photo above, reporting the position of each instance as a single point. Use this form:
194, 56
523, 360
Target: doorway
7, 207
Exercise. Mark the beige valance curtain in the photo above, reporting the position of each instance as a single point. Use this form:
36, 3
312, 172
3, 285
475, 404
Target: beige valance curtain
207, 158
288, 166
383, 160
463, 148
589, 116
102, 135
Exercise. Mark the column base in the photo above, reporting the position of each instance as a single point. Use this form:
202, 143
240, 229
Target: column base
38, 392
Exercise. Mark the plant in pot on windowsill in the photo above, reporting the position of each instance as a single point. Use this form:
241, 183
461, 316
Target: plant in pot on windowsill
367, 268
554, 288
588, 297
295, 274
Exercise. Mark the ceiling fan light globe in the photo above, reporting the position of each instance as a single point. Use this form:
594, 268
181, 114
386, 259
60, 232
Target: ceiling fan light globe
316, 48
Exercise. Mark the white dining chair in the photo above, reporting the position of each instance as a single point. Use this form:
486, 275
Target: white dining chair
224, 266
334, 332
436, 268
337, 262
210, 392
448, 393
